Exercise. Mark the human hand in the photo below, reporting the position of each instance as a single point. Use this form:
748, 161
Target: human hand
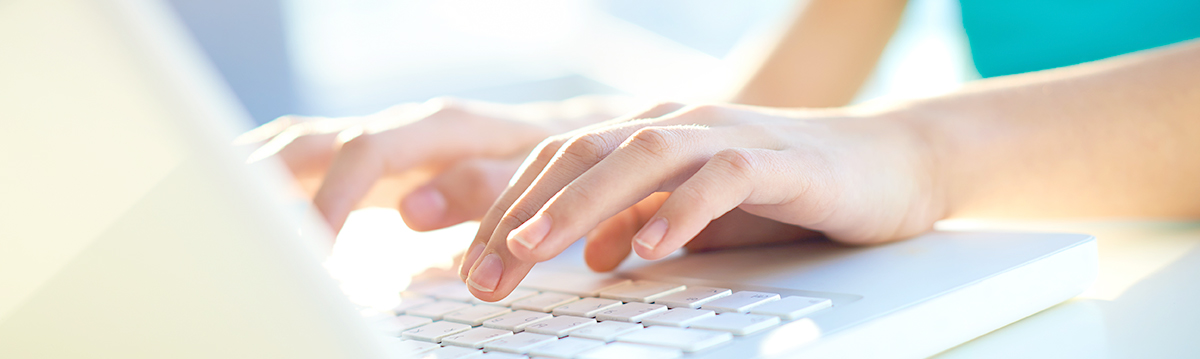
656, 180
449, 159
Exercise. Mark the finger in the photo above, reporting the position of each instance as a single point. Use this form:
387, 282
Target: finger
528, 172
740, 228
577, 156
609, 244
395, 143
461, 193
496, 281
305, 144
267, 131
732, 177
651, 160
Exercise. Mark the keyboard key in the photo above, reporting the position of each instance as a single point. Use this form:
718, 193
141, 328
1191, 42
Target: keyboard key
434, 332
452, 353
517, 294
475, 337
521, 343
440, 289
736, 323
407, 303
544, 302
395, 325
739, 302
792, 307
559, 326
499, 355
586, 307
631, 351
455, 291
644, 291
427, 287
516, 321
477, 314
566, 348
678, 317
631, 312
692, 297
580, 284
437, 310
688, 340
605, 331
410, 348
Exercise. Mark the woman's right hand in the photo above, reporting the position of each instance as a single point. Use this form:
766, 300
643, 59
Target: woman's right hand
461, 153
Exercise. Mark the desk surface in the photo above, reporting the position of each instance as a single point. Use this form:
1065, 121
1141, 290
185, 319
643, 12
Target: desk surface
1144, 304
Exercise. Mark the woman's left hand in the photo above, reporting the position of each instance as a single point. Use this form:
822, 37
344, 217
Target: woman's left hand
713, 175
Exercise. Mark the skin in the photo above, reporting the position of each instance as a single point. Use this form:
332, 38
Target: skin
401, 157
1110, 138
825, 55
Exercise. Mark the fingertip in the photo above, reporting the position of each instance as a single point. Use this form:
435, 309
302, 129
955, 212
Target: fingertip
650, 237
484, 279
423, 209
469, 259
609, 244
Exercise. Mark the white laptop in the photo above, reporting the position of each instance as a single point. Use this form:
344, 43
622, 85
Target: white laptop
129, 228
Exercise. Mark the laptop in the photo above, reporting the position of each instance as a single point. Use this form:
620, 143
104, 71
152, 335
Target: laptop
130, 228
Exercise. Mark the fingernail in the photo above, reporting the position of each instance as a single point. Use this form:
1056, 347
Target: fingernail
472, 256
425, 206
532, 232
487, 275
650, 235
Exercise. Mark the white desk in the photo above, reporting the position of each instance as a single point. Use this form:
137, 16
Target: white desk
1145, 303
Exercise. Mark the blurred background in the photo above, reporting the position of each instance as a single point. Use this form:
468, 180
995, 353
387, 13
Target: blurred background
353, 57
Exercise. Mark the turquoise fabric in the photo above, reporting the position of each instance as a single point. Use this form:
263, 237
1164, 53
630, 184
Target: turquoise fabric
1015, 36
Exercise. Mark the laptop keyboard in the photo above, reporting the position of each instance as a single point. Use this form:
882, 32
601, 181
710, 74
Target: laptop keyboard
561, 316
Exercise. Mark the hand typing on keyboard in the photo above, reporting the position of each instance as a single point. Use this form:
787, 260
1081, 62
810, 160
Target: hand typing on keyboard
708, 176
800, 167
444, 161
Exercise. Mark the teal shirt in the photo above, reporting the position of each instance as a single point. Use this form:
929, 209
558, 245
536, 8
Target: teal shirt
1015, 36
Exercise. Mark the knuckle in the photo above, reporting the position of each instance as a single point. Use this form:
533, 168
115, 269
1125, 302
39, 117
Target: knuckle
654, 140
549, 147
516, 215
735, 162
587, 148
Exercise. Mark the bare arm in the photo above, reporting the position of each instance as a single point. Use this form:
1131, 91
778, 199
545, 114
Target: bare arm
825, 55
1117, 137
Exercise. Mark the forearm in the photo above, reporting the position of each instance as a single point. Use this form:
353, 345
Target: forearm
825, 55
1117, 137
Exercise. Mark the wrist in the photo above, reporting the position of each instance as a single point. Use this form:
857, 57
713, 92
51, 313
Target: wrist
933, 152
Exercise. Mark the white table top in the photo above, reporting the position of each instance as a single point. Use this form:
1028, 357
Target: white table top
1144, 304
